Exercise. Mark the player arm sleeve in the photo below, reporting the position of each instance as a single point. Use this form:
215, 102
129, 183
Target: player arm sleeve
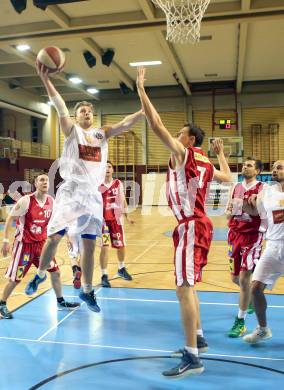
21, 207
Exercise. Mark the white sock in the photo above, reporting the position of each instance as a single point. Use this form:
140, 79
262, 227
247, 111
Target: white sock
41, 273
104, 271
194, 351
242, 314
199, 332
121, 265
87, 288
264, 328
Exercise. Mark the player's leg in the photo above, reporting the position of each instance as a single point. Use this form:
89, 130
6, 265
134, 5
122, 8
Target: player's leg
48, 252
235, 261
87, 293
118, 242
105, 242
8, 289
57, 287
267, 271
74, 244
103, 264
184, 239
202, 344
18, 267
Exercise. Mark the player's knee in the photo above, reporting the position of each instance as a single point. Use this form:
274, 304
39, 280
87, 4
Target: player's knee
53, 240
257, 288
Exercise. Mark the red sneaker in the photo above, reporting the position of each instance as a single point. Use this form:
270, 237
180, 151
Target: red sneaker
77, 279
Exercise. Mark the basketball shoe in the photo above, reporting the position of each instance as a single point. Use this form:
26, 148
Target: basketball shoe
238, 329
258, 335
189, 365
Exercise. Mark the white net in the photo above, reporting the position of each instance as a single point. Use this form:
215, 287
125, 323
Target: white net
183, 19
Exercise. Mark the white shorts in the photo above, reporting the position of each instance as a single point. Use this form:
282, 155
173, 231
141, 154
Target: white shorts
73, 203
271, 264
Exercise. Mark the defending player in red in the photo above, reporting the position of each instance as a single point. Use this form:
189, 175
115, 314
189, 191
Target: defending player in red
244, 239
115, 207
189, 173
33, 213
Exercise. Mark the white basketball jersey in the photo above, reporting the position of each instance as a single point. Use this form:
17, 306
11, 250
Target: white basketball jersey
84, 157
273, 203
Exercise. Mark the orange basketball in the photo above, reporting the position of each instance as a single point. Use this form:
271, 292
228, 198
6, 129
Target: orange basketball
52, 58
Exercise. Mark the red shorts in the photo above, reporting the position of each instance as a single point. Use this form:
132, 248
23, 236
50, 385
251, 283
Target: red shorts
23, 256
192, 240
113, 232
244, 250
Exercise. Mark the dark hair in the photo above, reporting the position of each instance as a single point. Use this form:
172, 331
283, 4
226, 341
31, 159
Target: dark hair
83, 103
258, 163
109, 162
197, 132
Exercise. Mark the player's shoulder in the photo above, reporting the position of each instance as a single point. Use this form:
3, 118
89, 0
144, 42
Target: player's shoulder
199, 155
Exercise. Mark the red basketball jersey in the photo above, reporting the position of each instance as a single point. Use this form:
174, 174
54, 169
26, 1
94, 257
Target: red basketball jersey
113, 197
32, 226
187, 185
243, 222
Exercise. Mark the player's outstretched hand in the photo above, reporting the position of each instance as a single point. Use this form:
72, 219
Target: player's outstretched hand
42, 71
218, 146
5, 249
141, 71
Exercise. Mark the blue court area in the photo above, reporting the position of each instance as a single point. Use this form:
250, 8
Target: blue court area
129, 343
219, 234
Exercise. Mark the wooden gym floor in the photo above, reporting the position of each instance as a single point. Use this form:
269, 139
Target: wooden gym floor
149, 259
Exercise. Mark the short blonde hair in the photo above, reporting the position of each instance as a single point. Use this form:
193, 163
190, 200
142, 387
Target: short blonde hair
83, 103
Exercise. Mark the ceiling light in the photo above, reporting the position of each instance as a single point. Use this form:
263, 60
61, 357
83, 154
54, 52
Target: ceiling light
23, 47
145, 63
92, 90
75, 80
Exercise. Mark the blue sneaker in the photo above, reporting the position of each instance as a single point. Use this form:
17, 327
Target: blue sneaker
122, 273
189, 365
90, 300
32, 286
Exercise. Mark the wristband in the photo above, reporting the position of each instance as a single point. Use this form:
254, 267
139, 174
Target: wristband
6, 240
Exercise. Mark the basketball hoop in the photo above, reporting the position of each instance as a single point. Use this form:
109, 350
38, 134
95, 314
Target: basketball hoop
183, 19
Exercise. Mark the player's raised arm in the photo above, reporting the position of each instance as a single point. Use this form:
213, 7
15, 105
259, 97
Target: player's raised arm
155, 121
224, 174
123, 125
66, 122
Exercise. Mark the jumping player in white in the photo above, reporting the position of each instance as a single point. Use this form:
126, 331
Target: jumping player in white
82, 167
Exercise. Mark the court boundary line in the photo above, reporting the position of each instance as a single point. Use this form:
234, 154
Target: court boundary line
132, 348
162, 301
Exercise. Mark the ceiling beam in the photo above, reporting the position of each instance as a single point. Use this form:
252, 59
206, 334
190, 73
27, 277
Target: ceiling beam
168, 49
148, 9
34, 82
246, 4
174, 61
96, 50
6, 58
62, 19
30, 59
155, 25
58, 16
243, 32
16, 70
